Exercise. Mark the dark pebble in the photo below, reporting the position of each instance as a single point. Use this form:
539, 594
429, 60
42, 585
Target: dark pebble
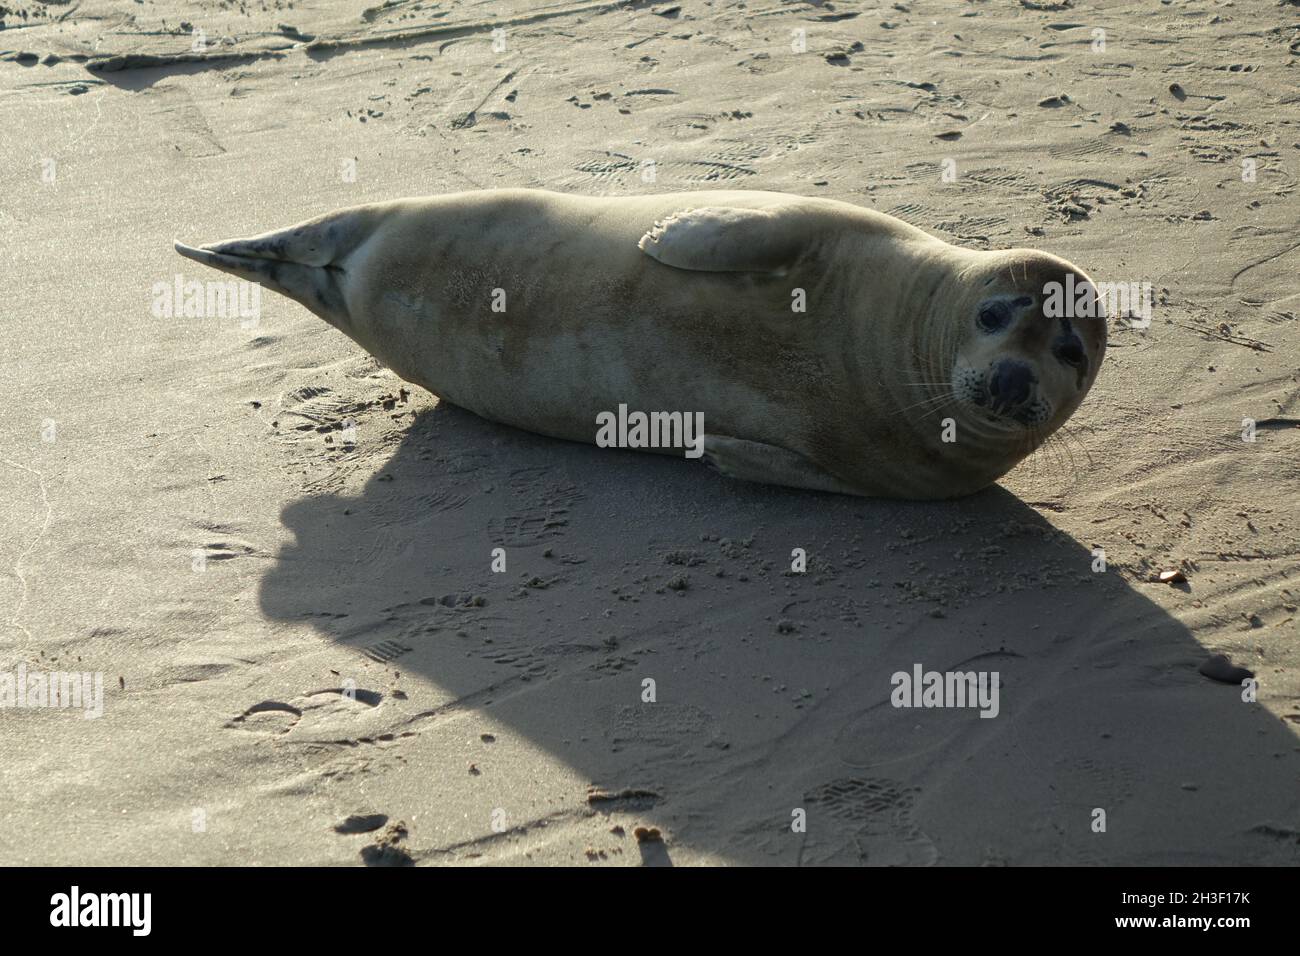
1221, 669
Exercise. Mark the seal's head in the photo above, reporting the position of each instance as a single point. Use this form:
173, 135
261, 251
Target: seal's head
1032, 338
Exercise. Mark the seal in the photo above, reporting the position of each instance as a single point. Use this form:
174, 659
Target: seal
825, 345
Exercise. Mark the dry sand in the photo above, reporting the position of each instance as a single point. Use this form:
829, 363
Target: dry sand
183, 516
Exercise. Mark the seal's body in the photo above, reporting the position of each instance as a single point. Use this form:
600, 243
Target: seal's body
827, 346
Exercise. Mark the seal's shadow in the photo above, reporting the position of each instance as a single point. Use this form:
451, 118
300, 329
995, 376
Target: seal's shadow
772, 688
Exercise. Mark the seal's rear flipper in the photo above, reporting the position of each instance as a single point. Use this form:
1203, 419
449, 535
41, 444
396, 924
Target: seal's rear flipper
769, 465
727, 239
304, 262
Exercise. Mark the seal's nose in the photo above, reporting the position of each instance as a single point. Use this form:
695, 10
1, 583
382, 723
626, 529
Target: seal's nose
1010, 383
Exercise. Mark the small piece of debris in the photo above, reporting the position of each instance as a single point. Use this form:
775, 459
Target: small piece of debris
595, 795
361, 823
648, 835
1223, 670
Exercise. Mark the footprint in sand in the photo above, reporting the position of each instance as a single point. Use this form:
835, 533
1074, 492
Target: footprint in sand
268, 717
864, 820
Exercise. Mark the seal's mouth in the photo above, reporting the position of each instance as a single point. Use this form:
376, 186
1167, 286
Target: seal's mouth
998, 411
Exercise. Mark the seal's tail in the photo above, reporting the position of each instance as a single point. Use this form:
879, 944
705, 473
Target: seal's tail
304, 262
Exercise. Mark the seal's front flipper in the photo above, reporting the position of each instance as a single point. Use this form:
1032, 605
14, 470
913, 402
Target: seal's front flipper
768, 465
726, 239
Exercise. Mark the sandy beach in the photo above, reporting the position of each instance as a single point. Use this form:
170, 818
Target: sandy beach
276, 556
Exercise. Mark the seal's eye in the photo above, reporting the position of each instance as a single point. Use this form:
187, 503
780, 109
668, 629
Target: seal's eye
994, 317
1070, 352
